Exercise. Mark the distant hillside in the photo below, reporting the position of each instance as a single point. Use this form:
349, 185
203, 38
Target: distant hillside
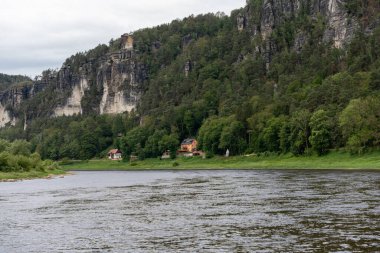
296, 76
8, 80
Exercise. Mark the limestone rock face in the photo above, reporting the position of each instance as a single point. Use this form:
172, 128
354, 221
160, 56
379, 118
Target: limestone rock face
241, 22
6, 117
341, 28
121, 81
16, 95
274, 12
12, 99
73, 104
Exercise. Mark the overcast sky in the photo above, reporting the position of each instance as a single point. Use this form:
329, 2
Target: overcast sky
40, 34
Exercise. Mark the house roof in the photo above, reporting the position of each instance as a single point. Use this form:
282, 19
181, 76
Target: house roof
114, 151
187, 141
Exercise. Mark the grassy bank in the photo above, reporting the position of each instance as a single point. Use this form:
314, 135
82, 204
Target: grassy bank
11, 176
332, 161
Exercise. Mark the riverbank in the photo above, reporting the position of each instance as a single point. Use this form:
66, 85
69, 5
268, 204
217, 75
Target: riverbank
333, 160
26, 175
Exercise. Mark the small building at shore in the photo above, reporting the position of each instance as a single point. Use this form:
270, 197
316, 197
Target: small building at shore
189, 145
115, 154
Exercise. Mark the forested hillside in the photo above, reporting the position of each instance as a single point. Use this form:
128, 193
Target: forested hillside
271, 77
8, 80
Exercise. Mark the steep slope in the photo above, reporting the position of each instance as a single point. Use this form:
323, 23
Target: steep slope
265, 78
111, 79
8, 80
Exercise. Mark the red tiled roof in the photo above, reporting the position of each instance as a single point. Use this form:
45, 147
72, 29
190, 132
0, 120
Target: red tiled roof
114, 151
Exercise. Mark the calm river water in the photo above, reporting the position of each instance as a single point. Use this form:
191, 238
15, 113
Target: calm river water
193, 211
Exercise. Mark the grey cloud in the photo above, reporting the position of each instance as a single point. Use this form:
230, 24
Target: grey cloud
40, 34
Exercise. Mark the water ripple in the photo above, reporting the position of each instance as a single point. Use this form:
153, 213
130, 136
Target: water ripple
209, 211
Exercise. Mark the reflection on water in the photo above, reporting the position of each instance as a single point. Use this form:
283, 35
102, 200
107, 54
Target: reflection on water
205, 211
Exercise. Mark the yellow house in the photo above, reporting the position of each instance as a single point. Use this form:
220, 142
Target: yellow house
189, 145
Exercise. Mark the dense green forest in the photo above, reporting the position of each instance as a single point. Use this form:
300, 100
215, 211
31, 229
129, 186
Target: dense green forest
306, 101
8, 80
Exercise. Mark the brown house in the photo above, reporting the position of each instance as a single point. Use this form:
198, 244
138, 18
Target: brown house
115, 154
189, 145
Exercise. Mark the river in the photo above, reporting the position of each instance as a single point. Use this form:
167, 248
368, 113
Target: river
193, 211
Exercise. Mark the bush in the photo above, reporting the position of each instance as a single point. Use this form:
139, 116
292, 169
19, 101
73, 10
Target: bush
4, 163
24, 163
49, 165
20, 147
21, 163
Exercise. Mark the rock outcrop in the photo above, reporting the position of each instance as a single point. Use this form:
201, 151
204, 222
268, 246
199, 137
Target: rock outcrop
121, 79
12, 98
73, 104
5, 117
340, 26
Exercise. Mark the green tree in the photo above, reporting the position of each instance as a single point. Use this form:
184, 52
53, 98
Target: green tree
321, 129
375, 80
360, 124
20, 147
152, 148
88, 146
232, 138
4, 161
71, 150
271, 134
118, 126
171, 143
189, 122
134, 141
285, 136
300, 132
210, 133
4, 145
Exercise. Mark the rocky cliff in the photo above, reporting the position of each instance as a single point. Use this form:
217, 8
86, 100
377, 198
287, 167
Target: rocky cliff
340, 28
12, 98
118, 77
262, 17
